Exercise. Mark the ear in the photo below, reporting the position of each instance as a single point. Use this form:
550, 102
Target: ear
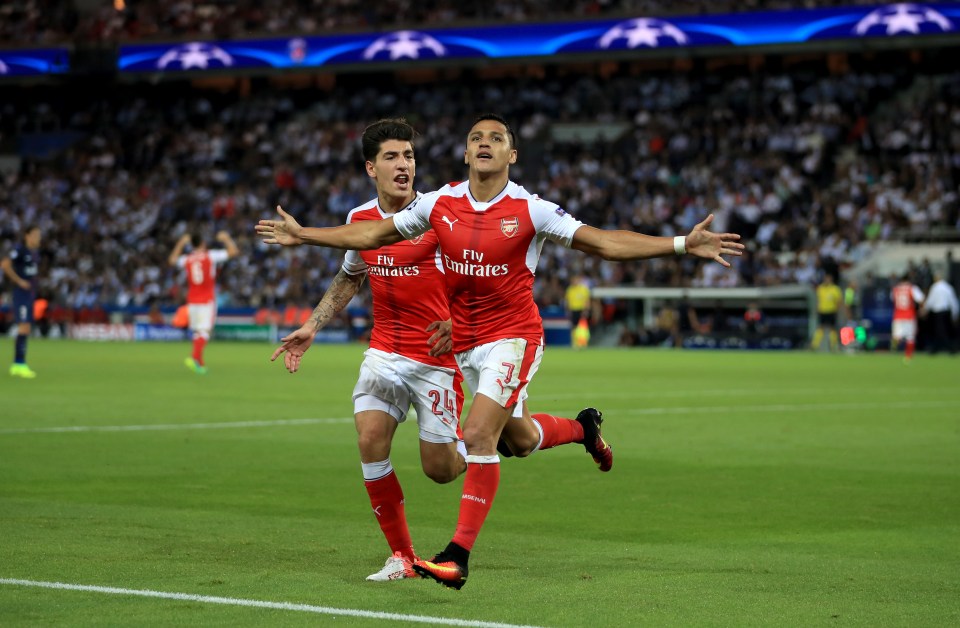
371, 170
465, 160
513, 156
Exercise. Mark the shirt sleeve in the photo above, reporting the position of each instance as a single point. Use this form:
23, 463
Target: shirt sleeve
415, 219
552, 221
218, 256
353, 264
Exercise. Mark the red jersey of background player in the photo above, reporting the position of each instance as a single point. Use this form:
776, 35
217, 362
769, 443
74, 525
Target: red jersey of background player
489, 253
201, 268
905, 298
408, 291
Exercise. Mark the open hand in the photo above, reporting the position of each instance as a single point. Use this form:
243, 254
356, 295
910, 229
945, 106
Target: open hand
285, 232
295, 345
709, 245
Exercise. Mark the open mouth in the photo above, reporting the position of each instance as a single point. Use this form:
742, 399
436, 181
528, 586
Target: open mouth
402, 179
484, 155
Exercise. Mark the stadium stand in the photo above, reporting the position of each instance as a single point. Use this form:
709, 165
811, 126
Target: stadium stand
38, 22
814, 159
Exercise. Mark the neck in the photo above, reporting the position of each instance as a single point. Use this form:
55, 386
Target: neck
393, 204
485, 186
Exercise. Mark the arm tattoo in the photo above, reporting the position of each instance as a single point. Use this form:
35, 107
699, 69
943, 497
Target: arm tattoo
341, 290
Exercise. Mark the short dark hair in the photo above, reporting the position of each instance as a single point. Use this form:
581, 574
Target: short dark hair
30, 228
384, 130
498, 118
196, 239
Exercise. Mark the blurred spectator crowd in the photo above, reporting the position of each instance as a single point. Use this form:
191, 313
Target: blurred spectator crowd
45, 22
813, 169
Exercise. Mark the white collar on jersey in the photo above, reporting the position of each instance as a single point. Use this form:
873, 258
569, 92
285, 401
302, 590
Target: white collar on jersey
384, 214
481, 206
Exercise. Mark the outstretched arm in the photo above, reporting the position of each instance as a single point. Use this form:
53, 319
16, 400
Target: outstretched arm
178, 249
623, 246
359, 236
338, 295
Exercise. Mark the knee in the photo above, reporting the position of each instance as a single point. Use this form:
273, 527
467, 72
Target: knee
521, 437
373, 445
521, 448
447, 472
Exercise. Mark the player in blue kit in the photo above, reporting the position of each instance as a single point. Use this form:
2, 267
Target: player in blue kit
20, 267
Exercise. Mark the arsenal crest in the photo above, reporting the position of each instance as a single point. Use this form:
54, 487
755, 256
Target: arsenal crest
510, 226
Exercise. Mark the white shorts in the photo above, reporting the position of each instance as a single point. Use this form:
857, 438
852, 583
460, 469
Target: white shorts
501, 370
392, 383
905, 329
202, 316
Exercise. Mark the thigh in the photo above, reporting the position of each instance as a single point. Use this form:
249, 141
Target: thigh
22, 310
483, 425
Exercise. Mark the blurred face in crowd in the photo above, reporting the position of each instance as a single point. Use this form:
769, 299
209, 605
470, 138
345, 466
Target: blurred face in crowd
393, 169
488, 148
32, 238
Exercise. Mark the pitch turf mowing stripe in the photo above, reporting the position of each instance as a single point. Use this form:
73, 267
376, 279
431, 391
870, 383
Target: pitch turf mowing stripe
841, 405
798, 407
171, 426
282, 606
604, 395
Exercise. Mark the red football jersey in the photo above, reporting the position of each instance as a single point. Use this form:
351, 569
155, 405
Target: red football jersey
201, 267
905, 297
408, 291
489, 253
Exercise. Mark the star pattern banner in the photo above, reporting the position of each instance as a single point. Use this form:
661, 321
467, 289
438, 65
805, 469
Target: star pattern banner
539, 40
36, 62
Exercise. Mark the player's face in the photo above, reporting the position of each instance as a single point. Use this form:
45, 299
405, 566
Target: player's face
488, 147
32, 239
394, 168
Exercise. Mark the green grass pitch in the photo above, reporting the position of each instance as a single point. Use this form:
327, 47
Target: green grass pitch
787, 489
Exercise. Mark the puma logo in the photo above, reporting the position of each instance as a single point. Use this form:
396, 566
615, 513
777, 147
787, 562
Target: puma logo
447, 220
377, 510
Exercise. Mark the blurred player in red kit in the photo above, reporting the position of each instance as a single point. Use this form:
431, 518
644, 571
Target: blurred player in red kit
906, 296
201, 270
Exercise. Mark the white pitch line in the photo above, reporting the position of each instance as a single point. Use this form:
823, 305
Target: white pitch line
282, 606
170, 426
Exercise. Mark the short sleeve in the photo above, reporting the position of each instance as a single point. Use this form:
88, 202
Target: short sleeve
353, 264
552, 221
415, 219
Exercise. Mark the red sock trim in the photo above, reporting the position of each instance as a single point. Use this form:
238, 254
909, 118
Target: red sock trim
558, 430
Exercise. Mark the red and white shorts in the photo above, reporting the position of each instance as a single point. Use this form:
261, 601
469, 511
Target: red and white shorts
501, 370
202, 316
392, 383
904, 329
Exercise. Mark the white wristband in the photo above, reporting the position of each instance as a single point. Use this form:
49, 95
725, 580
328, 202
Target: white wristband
680, 244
